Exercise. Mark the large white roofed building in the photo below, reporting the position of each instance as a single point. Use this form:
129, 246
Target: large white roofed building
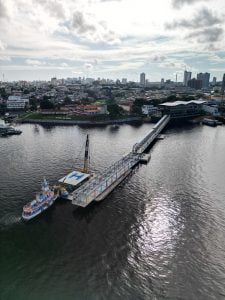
180, 109
16, 102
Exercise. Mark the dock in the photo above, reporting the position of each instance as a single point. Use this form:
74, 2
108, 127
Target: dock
97, 188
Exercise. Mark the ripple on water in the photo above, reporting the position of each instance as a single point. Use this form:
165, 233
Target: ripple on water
159, 235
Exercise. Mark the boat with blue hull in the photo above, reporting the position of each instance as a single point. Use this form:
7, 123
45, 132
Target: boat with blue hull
66, 185
44, 199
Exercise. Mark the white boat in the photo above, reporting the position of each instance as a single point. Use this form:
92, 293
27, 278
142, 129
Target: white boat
44, 199
3, 127
8, 130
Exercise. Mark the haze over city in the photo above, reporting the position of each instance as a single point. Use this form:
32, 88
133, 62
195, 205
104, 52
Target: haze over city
40, 39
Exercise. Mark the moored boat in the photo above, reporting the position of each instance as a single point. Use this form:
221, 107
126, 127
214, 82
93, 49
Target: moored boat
8, 130
44, 199
209, 122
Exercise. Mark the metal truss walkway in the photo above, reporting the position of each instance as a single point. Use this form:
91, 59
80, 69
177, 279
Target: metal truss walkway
100, 186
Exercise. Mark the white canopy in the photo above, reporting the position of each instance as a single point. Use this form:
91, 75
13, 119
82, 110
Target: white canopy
74, 178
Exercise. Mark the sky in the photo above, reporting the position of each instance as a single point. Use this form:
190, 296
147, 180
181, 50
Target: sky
40, 39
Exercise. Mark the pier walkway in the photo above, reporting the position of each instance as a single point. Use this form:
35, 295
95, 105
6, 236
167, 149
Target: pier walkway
100, 186
153, 134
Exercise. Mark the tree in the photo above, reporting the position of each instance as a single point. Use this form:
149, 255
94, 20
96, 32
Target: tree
3, 93
136, 110
138, 103
46, 103
92, 94
33, 103
188, 98
171, 98
3, 108
67, 100
114, 110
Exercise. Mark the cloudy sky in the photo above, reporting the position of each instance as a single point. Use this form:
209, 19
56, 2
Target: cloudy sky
40, 39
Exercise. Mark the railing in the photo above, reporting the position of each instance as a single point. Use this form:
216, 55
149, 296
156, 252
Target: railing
99, 184
90, 191
148, 139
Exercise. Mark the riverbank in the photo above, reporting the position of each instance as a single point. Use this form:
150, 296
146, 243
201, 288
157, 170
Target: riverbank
80, 122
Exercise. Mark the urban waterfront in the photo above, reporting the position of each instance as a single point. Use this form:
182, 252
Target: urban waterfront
160, 235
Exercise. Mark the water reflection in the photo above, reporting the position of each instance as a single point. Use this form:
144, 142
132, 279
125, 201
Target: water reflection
159, 235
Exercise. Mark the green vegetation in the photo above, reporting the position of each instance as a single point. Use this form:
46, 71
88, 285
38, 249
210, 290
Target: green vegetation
3, 93
171, 98
114, 109
46, 103
39, 116
2, 108
138, 103
33, 103
100, 102
67, 101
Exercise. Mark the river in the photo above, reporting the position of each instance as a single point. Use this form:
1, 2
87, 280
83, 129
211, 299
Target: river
159, 235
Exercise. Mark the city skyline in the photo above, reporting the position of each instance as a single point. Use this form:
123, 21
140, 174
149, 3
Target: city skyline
111, 39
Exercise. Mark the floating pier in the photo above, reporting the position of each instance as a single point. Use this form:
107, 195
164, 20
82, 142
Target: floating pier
97, 188
145, 158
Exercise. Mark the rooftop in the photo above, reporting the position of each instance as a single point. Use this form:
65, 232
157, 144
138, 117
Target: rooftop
177, 103
74, 178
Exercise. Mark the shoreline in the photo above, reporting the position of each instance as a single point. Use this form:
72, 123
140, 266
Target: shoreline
80, 122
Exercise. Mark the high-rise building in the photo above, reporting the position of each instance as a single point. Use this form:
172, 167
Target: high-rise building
142, 79
214, 81
223, 85
195, 84
53, 80
187, 77
204, 77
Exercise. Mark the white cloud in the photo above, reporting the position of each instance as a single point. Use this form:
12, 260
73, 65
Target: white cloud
120, 35
34, 62
5, 58
2, 45
180, 3
64, 65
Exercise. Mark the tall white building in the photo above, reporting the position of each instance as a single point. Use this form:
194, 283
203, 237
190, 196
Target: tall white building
142, 79
187, 77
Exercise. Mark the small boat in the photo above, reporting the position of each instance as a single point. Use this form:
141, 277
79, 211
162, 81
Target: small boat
12, 131
209, 122
3, 134
145, 158
8, 130
44, 199
219, 122
3, 127
115, 126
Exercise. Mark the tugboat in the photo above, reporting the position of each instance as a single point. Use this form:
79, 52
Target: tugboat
6, 130
44, 199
